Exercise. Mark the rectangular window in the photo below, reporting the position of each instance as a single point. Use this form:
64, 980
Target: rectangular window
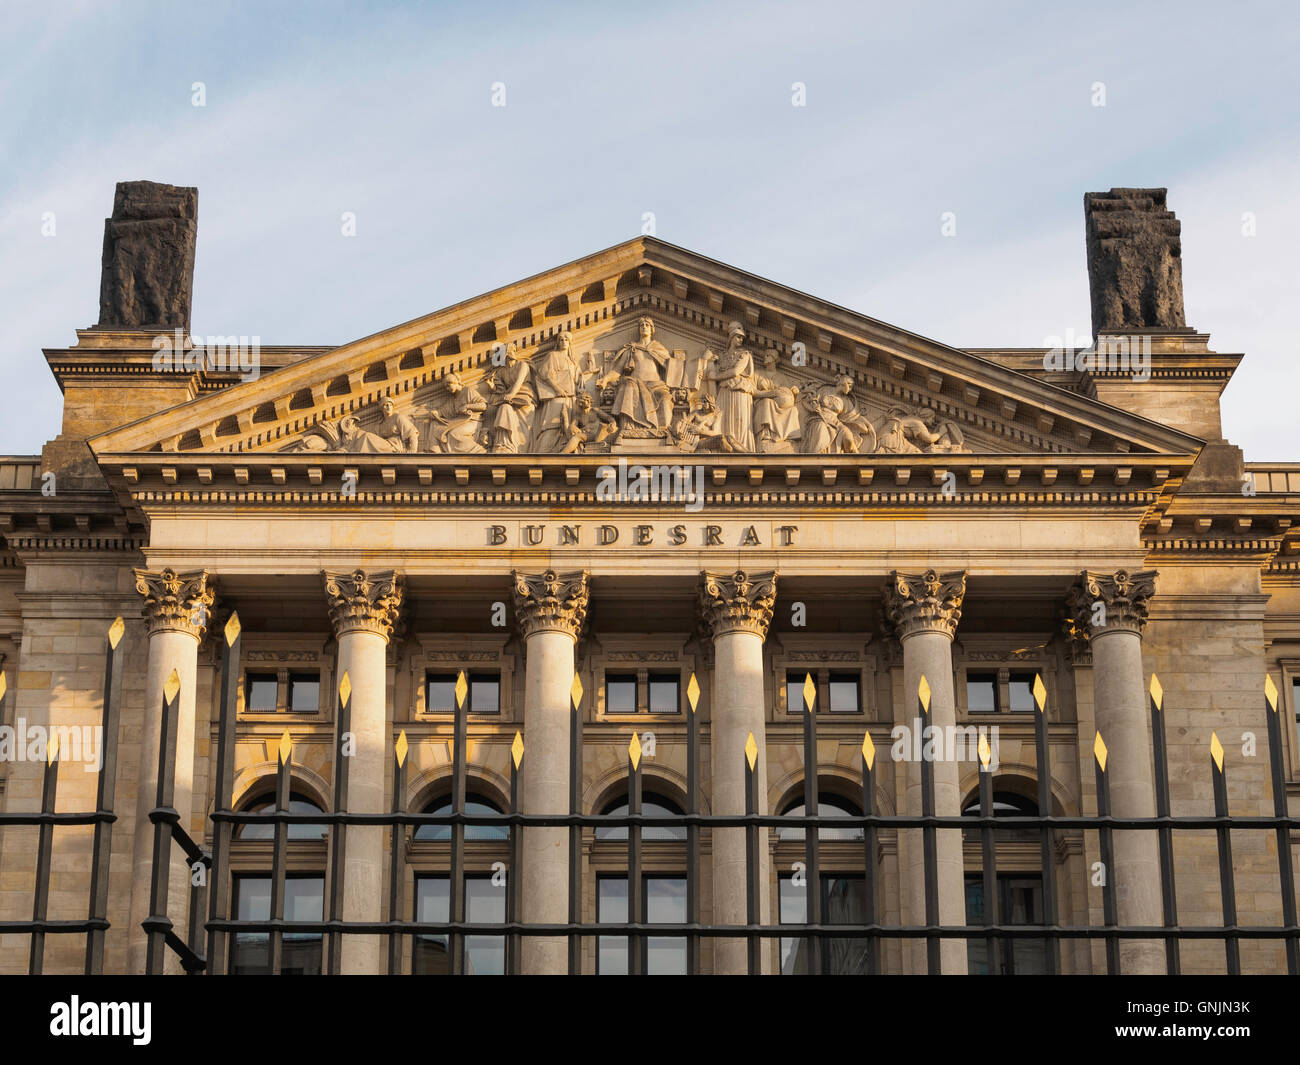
663, 902
1022, 693
485, 903
440, 693
261, 693
844, 693
664, 693
844, 901
304, 900
1020, 901
482, 693
1295, 696
794, 682
982, 693
620, 693
304, 693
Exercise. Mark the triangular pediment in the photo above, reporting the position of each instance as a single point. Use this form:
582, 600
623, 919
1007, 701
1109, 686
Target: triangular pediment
562, 363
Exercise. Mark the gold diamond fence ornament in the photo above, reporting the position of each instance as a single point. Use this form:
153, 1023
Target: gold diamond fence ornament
116, 631
1270, 692
517, 749
233, 629
1157, 692
345, 688
634, 751
751, 751
52, 751
4, 684
1040, 692
1216, 750
462, 689
923, 691
868, 751
172, 686
401, 748
1099, 750
809, 692
575, 692
693, 693
286, 748
985, 753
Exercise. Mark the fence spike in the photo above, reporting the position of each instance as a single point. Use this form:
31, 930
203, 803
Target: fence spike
923, 691
115, 632
575, 691
1157, 692
172, 686
517, 749
401, 748
233, 628
1099, 750
462, 689
634, 750
286, 747
751, 751
345, 688
4, 683
985, 753
1270, 692
1040, 692
1216, 750
52, 750
868, 750
809, 693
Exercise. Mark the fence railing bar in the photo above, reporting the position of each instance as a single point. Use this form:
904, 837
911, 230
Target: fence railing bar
1164, 835
157, 925
1227, 887
105, 797
1048, 835
44, 856
338, 835
220, 889
1285, 868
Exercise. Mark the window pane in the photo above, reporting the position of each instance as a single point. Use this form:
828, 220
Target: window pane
261, 692
301, 951
844, 693
297, 805
440, 693
982, 693
650, 805
794, 910
484, 693
1022, 692
794, 692
844, 901
1020, 901
485, 903
432, 903
611, 907
304, 693
827, 806
473, 805
620, 694
663, 693
665, 902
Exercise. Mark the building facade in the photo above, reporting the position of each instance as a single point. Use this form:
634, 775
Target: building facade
696, 493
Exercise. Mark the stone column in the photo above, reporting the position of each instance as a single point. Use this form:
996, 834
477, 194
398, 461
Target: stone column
364, 608
736, 609
550, 608
923, 609
1110, 611
176, 607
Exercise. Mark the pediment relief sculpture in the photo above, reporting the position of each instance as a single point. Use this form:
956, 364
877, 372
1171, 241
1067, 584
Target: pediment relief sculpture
640, 396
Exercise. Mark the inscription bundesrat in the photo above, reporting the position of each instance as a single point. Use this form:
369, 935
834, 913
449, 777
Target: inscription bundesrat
639, 536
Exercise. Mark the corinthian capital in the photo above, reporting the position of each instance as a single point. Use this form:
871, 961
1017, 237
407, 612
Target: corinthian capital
550, 601
176, 602
924, 602
363, 602
1108, 602
737, 602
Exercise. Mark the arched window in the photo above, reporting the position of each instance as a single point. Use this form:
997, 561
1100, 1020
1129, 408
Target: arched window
651, 805
828, 805
475, 803
298, 804
1005, 804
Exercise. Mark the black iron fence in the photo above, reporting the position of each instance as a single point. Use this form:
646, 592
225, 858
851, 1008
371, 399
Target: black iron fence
206, 947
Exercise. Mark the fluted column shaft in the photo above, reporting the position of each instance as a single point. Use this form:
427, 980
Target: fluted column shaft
364, 608
736, 610
923, 611
550, 608
176, 607
1110, 610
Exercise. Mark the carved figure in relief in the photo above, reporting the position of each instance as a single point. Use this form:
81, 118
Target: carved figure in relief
904, 432
510, 406
589, 428
395, 433
731, 381
556, 381
643, 402
835, 425
776, 411
455, 426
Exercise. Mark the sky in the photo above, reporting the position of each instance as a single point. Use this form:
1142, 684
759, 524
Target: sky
1000, 114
